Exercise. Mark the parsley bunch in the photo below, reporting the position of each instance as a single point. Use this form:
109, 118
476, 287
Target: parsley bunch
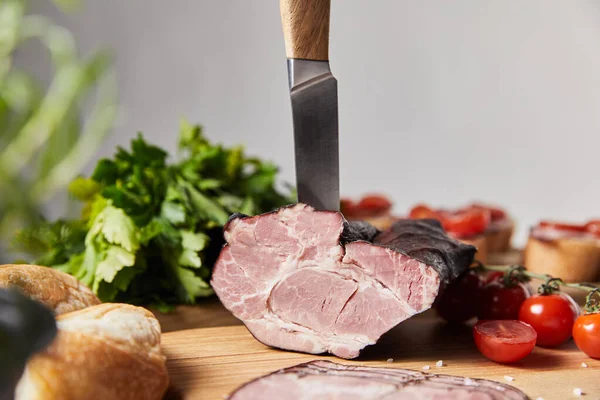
149, 230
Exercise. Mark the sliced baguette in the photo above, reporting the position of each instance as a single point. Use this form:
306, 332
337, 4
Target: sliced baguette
479, 241
499, 239
381, 222
571, 259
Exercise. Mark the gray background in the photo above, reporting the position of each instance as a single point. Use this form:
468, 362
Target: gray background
440, 101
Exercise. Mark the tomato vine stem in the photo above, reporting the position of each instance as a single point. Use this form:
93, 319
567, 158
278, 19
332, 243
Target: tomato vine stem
551, 284
592, 304
543, 277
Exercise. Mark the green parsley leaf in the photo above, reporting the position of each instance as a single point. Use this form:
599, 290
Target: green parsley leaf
150, 230
84, 189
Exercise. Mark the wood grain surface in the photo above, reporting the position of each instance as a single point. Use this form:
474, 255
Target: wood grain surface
207, 313
306, 28
209, 363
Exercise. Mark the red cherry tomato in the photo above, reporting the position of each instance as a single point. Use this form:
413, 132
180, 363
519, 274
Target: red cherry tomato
593, 227
497, 301
457, 302
496, 213
422, 211
552, 316
494, 276
374, 203
462, 223
347, 207
586, 334
466, 222
504, 341
562, 226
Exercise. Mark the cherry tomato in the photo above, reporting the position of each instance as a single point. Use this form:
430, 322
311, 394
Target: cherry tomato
504, 341
552, 316
494, 276
376, 202
586, 334
497, 301
347, 207
496, 213
467, 222
562, 226
593, 227
372, 205
463, 223
422, 211
457, 303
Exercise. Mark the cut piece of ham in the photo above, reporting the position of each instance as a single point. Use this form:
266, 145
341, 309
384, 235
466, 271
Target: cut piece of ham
309, 281
328, 380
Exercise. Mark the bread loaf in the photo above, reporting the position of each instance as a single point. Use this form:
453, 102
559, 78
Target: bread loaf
381, 222
104, 352
59, 291
499, 237
571, 258
479, 241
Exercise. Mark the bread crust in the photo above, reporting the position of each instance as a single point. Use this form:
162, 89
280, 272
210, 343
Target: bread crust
571, 259
59, 291
93, 358
382, 222
498, 240
479, 241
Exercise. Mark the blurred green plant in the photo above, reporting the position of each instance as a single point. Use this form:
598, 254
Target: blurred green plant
48, 133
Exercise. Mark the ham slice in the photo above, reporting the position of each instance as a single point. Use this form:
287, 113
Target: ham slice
310, 281
328, 380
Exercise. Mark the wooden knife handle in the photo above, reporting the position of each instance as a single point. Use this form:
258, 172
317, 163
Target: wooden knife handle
306, 28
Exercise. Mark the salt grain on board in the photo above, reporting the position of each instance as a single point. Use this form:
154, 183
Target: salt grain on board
577, 392
540, 398
390, 360
440, 363
426, 367
583, 365
509, 378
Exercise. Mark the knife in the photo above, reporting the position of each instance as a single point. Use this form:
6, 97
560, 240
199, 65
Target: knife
313, 93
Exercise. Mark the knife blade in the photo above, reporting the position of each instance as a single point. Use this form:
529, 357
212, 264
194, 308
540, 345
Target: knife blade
313, 94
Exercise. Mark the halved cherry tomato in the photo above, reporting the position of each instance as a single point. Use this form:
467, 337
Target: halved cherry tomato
496, 213
367, 206
467, 223
593, 227
462, 223
498, 301
347, 207
552, 316
422, 211
562, 226
586, 334
374, 203
457, 301
504, 341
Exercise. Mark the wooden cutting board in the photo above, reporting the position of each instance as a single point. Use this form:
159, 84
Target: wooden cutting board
209, 363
